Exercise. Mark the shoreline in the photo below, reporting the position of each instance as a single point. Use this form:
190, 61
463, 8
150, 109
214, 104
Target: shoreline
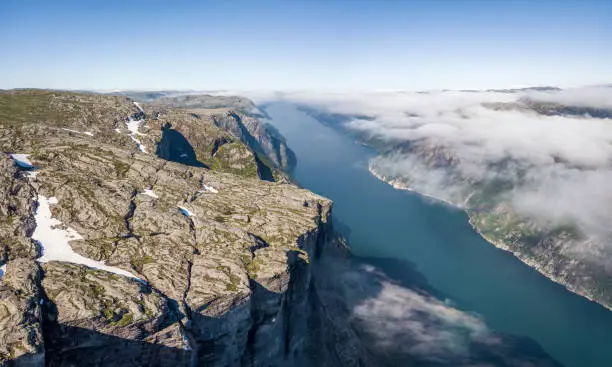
500, 245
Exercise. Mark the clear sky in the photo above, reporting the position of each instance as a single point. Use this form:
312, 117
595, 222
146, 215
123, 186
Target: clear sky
309, 44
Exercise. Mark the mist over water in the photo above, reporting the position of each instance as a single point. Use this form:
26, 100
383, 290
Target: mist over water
465, 271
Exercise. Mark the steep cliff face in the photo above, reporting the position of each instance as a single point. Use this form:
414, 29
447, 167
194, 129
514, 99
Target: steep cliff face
243, 120
120, 246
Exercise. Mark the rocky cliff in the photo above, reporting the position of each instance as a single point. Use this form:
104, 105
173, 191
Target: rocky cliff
131, 236
241, 118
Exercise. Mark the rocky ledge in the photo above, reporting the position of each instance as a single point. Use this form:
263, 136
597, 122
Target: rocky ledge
137, 237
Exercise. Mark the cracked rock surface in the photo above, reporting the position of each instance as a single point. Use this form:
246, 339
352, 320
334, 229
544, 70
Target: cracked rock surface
203, 242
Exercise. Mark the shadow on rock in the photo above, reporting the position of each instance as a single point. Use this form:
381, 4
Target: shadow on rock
85, 347
174, 147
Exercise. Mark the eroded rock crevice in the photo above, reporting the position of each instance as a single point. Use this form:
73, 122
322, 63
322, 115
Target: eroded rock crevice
129, 215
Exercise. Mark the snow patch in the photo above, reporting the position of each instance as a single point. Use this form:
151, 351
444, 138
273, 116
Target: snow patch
79, 132
140, 146
186, 212
210, 188
150, 193
133, 126
54, 240
118, 131
22, 160
138, 106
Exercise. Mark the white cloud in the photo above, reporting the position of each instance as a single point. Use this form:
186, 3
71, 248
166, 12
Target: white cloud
424, 326
561, 165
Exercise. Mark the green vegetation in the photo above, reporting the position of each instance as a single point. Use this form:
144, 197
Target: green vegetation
54, 108
96, 290
234, 280
235, 158
252, 266
143, 307
115, 314
139, 262
121, 168
126, 319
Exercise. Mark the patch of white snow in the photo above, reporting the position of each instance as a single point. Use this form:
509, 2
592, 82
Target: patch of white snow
79, 132
186, 345
138, 106
210, 188
140, 146
150, 193
22, 160
54, 240
118, 131
133, 126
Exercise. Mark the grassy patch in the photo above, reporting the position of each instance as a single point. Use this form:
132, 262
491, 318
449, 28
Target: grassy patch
252, 266
235, 158
139, 262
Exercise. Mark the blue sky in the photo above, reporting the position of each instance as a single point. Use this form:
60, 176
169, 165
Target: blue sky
310, 44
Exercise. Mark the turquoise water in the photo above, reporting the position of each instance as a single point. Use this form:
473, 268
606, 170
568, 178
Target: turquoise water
477, 277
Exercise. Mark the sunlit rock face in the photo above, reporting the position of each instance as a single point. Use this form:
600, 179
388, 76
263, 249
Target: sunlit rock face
151, 237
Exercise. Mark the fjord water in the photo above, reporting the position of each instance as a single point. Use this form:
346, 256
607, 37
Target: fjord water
474, 275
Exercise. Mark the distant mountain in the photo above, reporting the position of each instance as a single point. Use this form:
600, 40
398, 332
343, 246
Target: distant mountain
551, 108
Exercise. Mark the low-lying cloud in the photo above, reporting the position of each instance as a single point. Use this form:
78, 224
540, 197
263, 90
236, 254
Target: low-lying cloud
421, 325
560, 164
400, 323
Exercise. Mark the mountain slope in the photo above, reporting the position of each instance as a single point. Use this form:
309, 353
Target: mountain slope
242, 119
195, 243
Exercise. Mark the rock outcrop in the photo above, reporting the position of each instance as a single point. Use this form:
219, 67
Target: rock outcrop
218, 257
243, 120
